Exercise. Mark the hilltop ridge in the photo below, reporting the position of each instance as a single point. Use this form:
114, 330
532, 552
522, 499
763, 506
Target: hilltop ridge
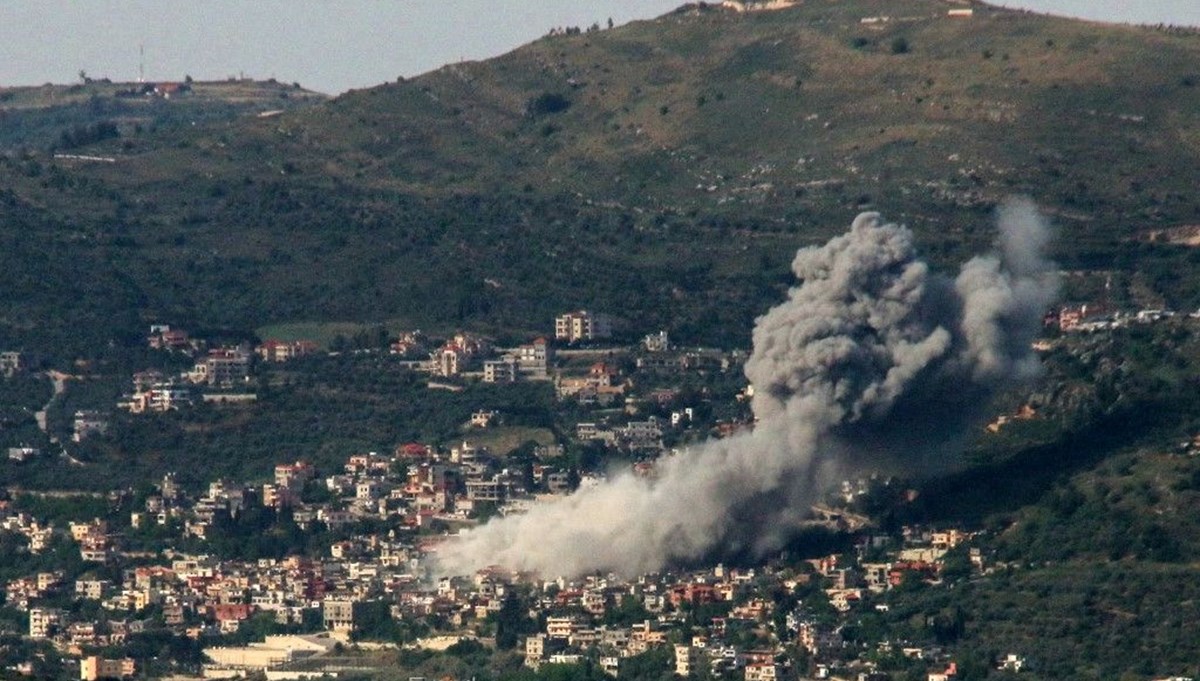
63, 117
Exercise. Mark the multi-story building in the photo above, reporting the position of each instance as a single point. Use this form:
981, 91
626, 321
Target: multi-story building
582, 326
282, 351
159, 398
337, 613
685, 660
458, 353
43, 622
533, 360
95, 667
294, 475
485, 490
222, 367
561, 627
503, 370
10, 362
535, 650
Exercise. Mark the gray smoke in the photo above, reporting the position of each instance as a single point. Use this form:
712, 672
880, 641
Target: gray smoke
874, 361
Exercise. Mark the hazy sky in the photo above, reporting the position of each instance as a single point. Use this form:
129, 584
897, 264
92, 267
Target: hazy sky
333, 46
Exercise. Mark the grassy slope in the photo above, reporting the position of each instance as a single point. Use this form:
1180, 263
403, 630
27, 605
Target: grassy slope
698, 151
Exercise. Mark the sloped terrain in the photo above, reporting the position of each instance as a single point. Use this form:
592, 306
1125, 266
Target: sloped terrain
663, 171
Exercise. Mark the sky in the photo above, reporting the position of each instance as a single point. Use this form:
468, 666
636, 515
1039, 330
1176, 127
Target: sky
335, 46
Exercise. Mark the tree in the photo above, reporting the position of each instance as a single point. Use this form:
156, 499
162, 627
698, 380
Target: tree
511, 622
900, 45
547, 103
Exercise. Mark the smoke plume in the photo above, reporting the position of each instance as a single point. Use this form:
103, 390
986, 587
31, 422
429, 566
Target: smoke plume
873, 362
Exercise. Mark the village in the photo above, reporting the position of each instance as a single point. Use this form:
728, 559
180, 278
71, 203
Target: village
356, 575
745, 622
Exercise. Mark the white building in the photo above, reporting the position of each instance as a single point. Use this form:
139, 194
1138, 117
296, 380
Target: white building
685, 660
88, 422
657, 342
502, 370
43, 622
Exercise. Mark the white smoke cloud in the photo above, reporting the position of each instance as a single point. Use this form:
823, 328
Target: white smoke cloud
873, 360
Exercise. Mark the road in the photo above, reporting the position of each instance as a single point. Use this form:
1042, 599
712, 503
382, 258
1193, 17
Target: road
60, 385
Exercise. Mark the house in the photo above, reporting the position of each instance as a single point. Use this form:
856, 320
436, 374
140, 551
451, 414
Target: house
816, 639
87, 423
693, 594
600, 385
762, 671
949, 674
294, 475
163, 337
160, 398
409, 343
22, 454
484, 418
611, 665
657, 342
1012, 663
413, 450
455, 356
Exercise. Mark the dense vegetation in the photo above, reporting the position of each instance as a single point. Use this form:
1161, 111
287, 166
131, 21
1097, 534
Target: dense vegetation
663, 171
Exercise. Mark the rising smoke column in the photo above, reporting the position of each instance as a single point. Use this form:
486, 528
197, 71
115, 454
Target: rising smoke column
872, 361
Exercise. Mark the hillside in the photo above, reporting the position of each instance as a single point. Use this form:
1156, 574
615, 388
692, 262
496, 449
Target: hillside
663, 171
65, 117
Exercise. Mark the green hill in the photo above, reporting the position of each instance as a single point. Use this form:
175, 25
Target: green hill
66, 117
663, 171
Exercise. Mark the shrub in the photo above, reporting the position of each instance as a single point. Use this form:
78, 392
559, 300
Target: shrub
547, 103
900, 46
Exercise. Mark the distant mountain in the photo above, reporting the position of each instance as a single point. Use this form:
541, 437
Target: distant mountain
663, 171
